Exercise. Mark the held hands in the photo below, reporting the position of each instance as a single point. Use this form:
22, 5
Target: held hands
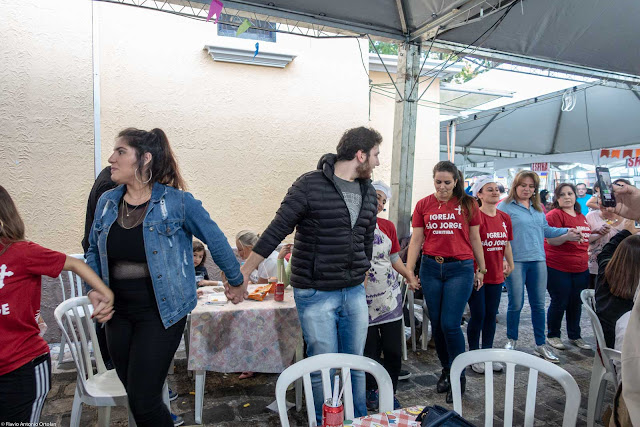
102, 305
413, 283
604, 230
237, 294
574, 235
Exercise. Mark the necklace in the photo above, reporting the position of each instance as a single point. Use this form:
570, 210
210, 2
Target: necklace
139, 220
129, 212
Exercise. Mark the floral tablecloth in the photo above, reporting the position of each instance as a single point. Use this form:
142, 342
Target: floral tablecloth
405, 417
258, 336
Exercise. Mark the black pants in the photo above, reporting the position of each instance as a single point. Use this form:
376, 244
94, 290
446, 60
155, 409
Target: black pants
23, 390
141, 350
386, 338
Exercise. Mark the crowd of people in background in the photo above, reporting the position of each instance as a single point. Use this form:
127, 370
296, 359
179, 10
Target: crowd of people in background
344, 268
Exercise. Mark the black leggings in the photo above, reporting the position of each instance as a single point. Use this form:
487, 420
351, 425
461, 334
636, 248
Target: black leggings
387, 339
141, 350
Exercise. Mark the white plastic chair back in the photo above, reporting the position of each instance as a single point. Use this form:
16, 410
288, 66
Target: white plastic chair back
74, 327
512, 358
588, 302
324, 363
75, 282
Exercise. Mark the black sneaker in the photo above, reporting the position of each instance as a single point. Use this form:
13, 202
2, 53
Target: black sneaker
404, 375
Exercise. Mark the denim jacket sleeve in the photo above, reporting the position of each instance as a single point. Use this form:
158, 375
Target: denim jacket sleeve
550, 231
200, 224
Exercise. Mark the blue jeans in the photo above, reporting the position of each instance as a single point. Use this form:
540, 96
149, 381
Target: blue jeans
484, 305
335, 322
564, 290
446, 288
533, 275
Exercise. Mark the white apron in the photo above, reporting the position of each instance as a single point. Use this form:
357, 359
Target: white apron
383, 289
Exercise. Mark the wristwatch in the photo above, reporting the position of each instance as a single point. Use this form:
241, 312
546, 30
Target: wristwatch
484, 271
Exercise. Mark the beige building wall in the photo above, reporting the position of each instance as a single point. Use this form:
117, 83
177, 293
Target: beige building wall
427, 150
242, 133
46, 116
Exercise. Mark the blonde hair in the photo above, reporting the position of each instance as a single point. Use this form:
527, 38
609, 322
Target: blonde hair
517, 181
247, 238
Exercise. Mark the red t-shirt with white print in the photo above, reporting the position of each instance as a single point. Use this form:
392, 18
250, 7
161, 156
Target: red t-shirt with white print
446, 230
495, 233
570, 257
21, 268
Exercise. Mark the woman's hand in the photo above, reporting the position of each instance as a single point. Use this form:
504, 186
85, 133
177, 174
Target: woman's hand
102, 305
286, 249
574, 235
604, 230
627, 201
630, 226
413, 283
478, 280
506, 268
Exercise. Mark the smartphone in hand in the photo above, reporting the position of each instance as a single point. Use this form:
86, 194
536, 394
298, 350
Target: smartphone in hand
606, 187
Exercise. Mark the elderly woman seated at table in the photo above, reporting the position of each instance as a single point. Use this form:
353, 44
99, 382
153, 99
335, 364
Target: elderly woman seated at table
245, 240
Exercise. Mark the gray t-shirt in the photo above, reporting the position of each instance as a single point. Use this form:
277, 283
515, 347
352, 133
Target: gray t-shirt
352, 196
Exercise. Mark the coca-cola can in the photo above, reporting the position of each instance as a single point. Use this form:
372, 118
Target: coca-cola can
279, 296
332, 416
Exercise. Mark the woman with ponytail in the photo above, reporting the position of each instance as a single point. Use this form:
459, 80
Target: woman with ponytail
140, 245
446, 233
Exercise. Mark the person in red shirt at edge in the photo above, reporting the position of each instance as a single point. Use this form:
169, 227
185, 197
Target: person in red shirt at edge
495, 233
567, 268
446, 232
25, 365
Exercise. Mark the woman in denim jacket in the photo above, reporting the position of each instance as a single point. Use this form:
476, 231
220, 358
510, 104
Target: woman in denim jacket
141, 247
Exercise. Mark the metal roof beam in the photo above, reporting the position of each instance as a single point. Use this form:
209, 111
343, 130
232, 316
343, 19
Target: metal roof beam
483, 129
555, 132
479, 52
403, 17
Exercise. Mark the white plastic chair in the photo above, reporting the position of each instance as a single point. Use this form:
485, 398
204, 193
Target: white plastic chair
512, 358
75, 290
324, 363
603, 370
102, 388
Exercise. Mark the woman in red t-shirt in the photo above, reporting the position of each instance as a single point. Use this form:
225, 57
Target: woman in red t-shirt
25, 365
446, 232
495, 233
567, 268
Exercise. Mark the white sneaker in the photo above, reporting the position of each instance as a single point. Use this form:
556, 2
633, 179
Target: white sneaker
556, 343
546, 353
580, 343
511, 344
498, 367
478, 368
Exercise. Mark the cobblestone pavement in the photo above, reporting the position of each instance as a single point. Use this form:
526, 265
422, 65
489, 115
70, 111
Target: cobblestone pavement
232, 402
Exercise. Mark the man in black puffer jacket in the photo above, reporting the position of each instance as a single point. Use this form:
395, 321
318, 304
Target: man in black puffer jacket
333, 210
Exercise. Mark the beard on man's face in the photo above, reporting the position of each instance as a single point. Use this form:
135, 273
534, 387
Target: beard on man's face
364, 170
